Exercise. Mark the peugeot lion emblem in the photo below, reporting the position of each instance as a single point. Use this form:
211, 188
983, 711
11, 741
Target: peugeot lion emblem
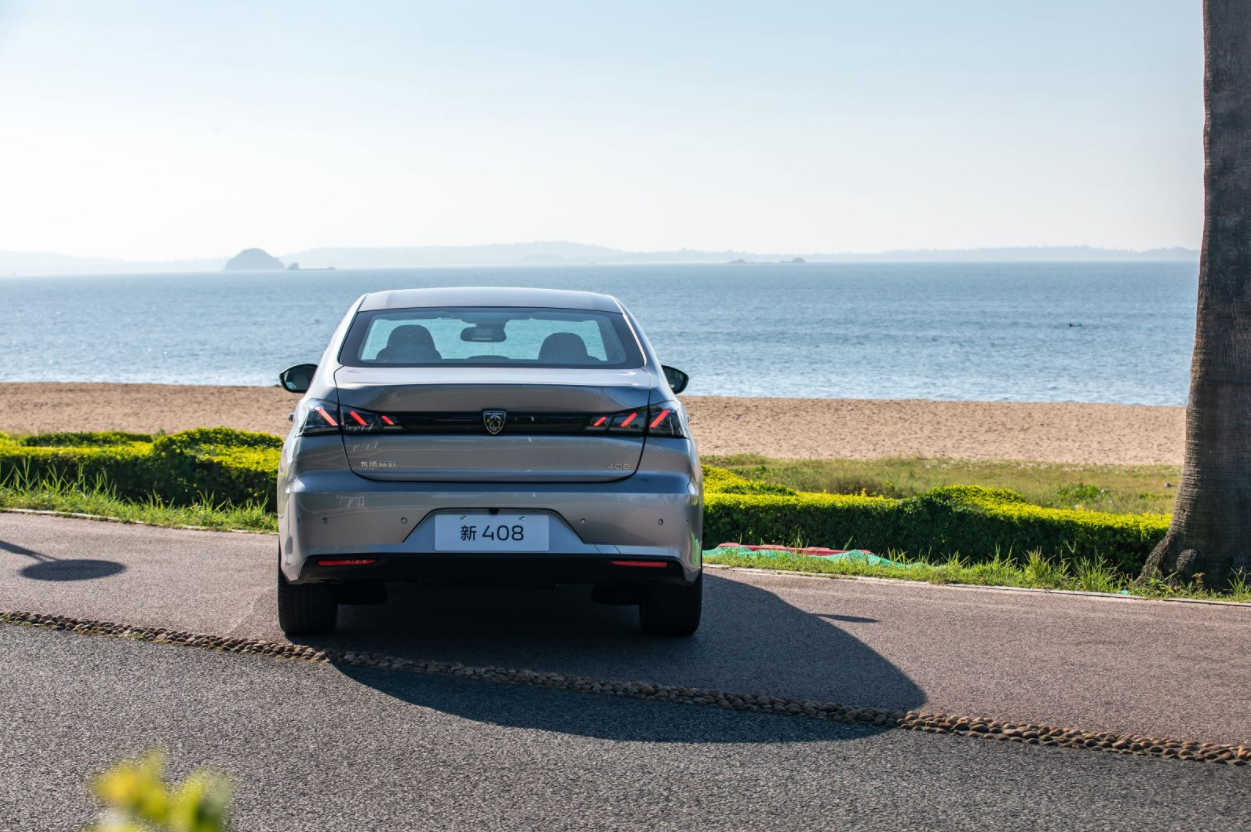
494, 420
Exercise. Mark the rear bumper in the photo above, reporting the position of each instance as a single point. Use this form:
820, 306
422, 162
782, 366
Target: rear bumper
508, 569
645, 517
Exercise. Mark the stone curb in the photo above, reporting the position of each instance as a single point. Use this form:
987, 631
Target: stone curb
980, 727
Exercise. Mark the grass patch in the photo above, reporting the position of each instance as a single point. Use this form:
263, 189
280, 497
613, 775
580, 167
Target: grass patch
83, 496
1115, 489
1036, 572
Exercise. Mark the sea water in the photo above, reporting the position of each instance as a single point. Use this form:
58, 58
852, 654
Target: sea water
1083, 332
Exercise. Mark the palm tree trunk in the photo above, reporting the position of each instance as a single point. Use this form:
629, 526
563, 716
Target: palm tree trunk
1211, 529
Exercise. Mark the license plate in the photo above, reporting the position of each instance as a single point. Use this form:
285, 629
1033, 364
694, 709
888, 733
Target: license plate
483, 532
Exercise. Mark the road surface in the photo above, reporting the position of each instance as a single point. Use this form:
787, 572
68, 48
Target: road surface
321, 747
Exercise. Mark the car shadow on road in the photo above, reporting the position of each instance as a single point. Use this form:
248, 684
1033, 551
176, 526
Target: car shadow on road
48, 568
597, 716
750, 641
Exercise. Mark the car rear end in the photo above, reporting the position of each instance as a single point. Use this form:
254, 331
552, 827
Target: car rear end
464, 435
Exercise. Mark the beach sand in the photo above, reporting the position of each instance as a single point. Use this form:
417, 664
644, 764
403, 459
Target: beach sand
1108, 434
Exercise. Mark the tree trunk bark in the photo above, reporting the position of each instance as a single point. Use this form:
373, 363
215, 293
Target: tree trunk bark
1210, 535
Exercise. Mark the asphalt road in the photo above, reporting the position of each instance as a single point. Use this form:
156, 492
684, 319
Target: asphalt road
313, 748
1159, 669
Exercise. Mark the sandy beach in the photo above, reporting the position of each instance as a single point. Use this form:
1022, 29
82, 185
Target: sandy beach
798, 428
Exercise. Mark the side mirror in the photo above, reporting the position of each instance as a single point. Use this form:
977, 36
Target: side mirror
676, 378
297, 379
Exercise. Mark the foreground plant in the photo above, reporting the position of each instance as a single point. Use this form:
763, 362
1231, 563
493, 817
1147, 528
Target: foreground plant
139, 800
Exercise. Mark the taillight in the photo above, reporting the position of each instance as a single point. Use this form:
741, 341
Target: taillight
356, 420
321, 416
657, 420
663, 420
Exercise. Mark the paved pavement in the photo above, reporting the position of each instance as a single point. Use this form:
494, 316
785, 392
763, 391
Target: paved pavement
314, 748
1152, 668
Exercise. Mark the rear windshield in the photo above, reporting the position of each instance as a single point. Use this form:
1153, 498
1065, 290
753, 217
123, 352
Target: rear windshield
490, 335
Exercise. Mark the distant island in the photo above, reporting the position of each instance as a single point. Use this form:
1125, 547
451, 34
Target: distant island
563, 253
252, 260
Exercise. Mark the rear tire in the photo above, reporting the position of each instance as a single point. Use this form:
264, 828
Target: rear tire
306, 609
667, 610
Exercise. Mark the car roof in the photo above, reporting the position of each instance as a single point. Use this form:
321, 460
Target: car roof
489, 296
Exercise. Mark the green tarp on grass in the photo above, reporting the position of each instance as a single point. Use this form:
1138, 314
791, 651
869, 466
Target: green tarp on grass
766, 552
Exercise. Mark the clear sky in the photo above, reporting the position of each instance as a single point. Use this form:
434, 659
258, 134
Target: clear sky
151, 129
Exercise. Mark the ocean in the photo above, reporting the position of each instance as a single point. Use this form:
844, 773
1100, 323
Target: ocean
1079, 332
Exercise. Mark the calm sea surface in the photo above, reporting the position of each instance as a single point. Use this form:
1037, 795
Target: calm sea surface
1109, 332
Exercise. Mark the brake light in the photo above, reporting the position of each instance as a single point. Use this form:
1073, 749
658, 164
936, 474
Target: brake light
346, 561
664, 419
661, 419
320, 416
356, 420
323, 416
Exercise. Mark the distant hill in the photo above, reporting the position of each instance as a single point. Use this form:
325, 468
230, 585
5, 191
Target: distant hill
552, 253
1025, 254
251, 260
503, 254
14, 263
561, 252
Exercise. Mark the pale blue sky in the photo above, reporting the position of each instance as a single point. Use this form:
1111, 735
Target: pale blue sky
157, 130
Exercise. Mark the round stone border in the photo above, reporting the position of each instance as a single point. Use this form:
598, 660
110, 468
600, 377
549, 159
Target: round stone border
1044, 735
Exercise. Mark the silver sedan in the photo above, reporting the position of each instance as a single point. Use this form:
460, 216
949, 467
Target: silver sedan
494, 435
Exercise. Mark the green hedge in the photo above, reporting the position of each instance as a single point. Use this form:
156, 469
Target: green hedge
971, 521
231, 466
121, 461
217, 464
196, 466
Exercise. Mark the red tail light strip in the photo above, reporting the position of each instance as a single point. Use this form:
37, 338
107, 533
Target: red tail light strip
346, 561
644, 563
387, 419
357, 417
326, 415
660, 417
629, 419
599, 421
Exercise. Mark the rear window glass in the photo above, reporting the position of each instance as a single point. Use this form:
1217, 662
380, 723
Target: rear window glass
497, 335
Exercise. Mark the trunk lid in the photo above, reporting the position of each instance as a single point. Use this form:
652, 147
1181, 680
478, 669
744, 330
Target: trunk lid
445, 436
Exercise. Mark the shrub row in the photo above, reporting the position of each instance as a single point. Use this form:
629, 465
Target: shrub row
207, 465
971, 521
221, 465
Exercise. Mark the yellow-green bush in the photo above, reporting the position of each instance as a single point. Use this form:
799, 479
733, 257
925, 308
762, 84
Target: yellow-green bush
217, 464
122, 461
195, 466
972, 521
236, 467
